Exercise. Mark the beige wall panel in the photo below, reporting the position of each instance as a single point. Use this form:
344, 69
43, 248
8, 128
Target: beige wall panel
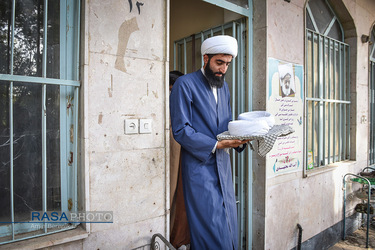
125, 236
285, 31
115, 96
75, 245
129, 183
331, 199
363, 16
126, 80
283, 206
113, 29
111, 89
362, 102
260, 70
104, 141
310, 195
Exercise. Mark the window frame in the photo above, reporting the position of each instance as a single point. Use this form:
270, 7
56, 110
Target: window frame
372, 97
69, 85
323, 68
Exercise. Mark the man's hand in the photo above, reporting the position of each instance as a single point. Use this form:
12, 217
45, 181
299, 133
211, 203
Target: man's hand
230, 143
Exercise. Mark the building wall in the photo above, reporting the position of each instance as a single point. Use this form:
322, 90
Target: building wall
125, 62
260, 43
315, 202
123, 72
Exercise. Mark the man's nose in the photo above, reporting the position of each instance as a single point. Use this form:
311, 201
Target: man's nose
223, 69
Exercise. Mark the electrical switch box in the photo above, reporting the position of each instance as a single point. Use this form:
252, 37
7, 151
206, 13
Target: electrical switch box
145, 126
131, 126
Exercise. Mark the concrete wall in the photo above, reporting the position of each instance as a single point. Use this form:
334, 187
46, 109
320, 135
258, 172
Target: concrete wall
260, 44
124, 78
315, 202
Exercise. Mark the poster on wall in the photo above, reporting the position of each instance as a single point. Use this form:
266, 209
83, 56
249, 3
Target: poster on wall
285, 102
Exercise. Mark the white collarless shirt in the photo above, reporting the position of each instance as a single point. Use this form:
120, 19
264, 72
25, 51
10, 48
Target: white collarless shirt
214, 89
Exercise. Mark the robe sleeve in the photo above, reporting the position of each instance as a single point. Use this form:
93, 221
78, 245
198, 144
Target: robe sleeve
196, 143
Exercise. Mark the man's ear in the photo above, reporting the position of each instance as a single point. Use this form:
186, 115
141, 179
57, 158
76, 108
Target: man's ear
205, 59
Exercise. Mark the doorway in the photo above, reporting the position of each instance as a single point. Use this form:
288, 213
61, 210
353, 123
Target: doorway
191, 22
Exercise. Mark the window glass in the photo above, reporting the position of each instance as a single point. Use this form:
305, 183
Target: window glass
5, 27
30, 156
372, 44
53, 40
322, 14
53, 148
28, 38
27, 152
5, 214
309, 23
335, 31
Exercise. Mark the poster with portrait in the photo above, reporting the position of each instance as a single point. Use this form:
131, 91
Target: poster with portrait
285, 102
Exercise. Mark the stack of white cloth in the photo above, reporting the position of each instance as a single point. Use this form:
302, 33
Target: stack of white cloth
253, 123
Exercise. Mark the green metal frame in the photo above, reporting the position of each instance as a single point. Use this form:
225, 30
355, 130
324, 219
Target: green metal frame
372, 97
328, 53
69, 87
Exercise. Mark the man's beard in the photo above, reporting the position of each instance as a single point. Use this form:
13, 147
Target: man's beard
213, 80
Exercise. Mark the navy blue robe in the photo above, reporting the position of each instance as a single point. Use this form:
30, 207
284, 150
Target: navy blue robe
207, 179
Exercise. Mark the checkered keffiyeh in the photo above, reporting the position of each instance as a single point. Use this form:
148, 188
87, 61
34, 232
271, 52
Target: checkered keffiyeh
265, 142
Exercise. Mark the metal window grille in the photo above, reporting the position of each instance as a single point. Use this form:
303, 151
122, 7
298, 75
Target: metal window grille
187, 58
327, 99
39, 89
327, 102
372, 98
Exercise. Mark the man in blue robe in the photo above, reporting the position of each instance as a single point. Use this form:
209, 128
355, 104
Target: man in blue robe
200, 110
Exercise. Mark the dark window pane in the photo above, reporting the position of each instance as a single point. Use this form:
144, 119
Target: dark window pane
5, 212
28, 38
309, 23
372, 44
5, 43
321, 13
53, 40
27, 150
53, 148
335, 32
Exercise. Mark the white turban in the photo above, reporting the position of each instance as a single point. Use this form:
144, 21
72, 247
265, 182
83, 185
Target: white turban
220, 45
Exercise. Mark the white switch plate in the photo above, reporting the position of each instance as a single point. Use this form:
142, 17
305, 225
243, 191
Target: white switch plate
131, 126
145, 126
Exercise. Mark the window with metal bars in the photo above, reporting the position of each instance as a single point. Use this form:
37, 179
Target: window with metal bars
39, 84
327, 102
372, 97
